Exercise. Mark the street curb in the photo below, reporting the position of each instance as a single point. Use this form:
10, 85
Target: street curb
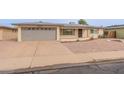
62, 66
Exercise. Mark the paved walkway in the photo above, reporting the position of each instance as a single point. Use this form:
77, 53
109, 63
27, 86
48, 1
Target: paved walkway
39, 54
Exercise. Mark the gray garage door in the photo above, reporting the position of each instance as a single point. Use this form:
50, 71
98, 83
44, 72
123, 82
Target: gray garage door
35, 35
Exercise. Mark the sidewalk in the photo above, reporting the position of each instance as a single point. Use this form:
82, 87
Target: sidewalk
8, 65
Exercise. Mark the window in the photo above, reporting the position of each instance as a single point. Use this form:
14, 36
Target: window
93, 31
68, 32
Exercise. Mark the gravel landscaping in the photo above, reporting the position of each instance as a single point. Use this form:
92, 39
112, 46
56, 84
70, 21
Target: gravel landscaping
99, 45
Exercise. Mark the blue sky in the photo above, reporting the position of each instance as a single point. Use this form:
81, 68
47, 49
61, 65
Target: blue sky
95, 22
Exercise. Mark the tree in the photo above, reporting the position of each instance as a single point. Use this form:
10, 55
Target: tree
83, 22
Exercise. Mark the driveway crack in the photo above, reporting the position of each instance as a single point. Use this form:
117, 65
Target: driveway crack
34, 54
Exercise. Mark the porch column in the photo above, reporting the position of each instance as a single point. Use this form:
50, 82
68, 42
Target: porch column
89, 33
58, 33
19, 34
76, 34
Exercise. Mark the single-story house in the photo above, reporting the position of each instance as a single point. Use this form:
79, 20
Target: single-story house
37, 31
8, 33
114, 31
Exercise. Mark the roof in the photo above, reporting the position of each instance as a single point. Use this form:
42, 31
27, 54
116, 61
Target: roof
54, 24
80, 26
7, 27
115, 26
37, 24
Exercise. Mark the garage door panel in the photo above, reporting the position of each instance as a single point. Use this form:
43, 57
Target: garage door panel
35, 35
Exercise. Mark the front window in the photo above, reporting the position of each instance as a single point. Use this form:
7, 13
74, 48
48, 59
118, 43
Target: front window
93, 31
68, 32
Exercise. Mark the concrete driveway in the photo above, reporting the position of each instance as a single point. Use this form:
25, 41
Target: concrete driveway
28, 55
51, 48
28, 49
20, 55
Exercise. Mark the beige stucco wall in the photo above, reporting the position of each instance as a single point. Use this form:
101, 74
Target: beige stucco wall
85, 33
68, 38
119, 32
95, 36
101, 32
1, 34
8, 34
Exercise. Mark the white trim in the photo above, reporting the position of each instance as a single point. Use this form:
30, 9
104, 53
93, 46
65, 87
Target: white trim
19, 34
58, 33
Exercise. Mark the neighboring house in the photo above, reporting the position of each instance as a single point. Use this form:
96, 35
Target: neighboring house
8, 33
60, 32
114, 31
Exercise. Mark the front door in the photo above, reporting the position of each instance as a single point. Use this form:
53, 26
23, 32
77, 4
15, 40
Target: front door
80, 33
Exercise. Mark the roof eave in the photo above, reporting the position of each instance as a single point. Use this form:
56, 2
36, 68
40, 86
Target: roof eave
6, 27
37, 25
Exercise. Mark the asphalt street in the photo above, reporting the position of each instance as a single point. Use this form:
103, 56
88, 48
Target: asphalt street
102, 68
